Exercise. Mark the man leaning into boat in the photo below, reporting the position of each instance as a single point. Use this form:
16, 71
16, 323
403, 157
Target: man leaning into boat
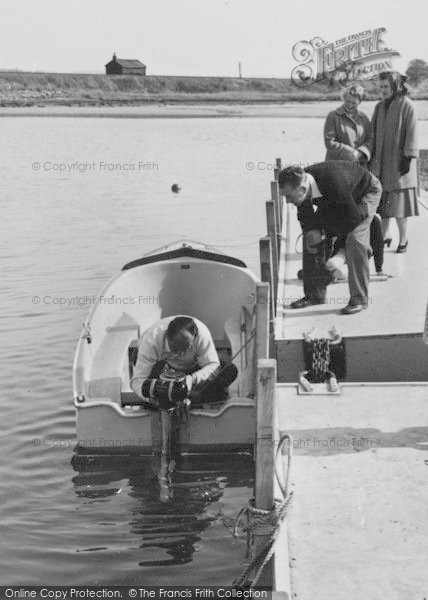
181, 349
335, 198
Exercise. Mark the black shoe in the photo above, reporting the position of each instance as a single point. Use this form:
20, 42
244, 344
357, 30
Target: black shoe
402, 248
387, 242
304, 302
352, 309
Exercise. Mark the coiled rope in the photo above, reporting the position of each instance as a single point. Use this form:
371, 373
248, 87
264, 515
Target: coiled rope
265, 522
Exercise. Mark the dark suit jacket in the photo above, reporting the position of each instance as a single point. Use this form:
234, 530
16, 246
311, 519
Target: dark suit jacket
342, 184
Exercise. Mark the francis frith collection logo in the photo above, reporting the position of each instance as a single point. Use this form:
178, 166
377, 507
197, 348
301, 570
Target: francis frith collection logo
358, 56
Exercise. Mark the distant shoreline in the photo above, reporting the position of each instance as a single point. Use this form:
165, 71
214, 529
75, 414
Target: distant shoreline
26, 89
58, 91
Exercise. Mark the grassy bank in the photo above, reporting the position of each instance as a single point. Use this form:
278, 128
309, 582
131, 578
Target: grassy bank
41, 89
30, 89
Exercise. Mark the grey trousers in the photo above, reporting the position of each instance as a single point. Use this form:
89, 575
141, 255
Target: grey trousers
356, 246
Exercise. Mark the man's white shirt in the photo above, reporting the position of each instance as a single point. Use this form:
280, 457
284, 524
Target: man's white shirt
153, 347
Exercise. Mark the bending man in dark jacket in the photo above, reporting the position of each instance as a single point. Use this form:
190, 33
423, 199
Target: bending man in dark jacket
333, 199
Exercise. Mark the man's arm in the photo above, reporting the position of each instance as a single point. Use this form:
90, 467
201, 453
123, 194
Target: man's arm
352, 215
308, 218
148, 356
206, 355
343, 212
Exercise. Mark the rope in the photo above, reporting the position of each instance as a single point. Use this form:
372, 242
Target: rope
295, 245
265, 522
318, 358
319, 370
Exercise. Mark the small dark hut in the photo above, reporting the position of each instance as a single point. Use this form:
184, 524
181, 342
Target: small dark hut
125, 66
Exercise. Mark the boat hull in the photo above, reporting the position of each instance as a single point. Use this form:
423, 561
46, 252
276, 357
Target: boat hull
182, 279
106, 427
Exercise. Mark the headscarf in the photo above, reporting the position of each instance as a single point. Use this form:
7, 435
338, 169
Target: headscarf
396, 81
355, 91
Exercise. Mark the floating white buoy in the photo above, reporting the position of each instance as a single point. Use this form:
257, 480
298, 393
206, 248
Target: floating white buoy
175, 188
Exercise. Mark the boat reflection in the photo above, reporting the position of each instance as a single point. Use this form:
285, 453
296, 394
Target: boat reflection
169, 532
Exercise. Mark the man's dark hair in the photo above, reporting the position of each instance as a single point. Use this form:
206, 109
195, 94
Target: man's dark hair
292, 176
181, 324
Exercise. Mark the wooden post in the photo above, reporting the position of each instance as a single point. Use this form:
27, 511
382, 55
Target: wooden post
272, 233
266, 445
278, 168
275, 198
266, 272
262, 320
288, 227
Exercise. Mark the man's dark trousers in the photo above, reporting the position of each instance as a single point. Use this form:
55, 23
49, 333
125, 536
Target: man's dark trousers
316, 252
357, 245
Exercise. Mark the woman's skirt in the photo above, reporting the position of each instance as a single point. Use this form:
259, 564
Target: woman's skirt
399, 203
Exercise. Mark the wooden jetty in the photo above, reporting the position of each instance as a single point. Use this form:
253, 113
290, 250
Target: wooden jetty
385, 389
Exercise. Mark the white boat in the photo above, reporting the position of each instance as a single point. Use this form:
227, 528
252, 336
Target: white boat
185, 278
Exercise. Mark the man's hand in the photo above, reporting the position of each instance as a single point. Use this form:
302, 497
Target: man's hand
187, 381
193, 394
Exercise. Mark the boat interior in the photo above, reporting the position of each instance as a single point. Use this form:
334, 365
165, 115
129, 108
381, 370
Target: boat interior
220, 295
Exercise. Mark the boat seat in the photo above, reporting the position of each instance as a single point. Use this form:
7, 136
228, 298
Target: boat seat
107, 388
110, 368
130, 398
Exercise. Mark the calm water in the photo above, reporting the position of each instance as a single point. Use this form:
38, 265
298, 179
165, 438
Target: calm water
64, 234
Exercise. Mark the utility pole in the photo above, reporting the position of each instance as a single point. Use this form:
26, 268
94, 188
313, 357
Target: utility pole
239, 70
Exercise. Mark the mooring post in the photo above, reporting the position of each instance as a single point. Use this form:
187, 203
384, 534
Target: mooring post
274, 190
277, 171
266, 445
272, 233
278, 167
262, 320
266, 272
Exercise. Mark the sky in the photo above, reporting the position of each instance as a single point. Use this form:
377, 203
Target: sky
196, 37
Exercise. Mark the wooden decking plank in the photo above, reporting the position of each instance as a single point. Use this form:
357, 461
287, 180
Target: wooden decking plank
396, 306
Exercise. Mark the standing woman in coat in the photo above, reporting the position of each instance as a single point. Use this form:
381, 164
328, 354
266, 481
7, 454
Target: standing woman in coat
395, 150
348, 135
